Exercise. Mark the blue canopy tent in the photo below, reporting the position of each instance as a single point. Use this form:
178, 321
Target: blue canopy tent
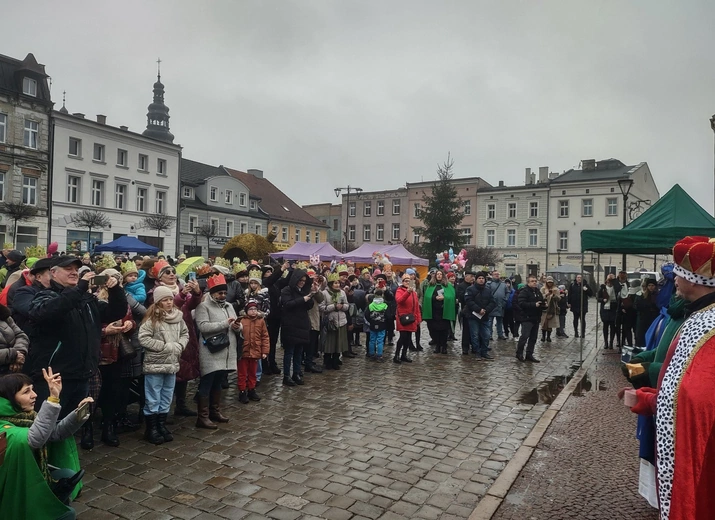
128, 245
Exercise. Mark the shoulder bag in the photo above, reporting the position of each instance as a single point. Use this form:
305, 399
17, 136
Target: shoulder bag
408, 319
217, 342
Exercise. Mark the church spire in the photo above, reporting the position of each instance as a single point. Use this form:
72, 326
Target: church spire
157, 117
64, 110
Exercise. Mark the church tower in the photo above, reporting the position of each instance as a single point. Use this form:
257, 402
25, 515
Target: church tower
157, 117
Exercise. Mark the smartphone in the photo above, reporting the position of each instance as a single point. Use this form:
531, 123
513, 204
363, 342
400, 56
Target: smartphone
83, 412
191, 277
100, 279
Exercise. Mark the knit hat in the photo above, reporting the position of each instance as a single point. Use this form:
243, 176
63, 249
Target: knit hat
82, 270
30, 262
451, 275
251, 304
129, 268
266, 268
221, 269
482, 274
162, 292
113, 272
693, 258
216, 283
254, 275
376, 273
410, 271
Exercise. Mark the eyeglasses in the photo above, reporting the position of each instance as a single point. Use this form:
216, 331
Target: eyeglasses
168, 271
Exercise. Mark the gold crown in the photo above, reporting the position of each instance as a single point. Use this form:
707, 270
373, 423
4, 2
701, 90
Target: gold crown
129, 267
202, 269
36, 252
105, 262
333, 277
223, 262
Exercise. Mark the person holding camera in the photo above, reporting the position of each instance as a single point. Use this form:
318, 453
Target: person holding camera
531, 303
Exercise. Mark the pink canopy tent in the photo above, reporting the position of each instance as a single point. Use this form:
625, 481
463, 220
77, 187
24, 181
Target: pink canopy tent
397, 253
304, 250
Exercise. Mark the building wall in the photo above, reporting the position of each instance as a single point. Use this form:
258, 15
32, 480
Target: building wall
360, 221
330, 215
83, 166
286, 233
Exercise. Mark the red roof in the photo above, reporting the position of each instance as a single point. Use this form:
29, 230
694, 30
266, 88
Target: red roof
273, 201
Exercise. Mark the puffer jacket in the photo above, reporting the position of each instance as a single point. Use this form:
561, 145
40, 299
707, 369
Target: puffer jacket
12, 340
295, 322
327, 308
163, 344
478, 297
137, 288
256, 342
211, 319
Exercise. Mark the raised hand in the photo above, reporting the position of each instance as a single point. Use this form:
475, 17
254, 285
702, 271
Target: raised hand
54, 381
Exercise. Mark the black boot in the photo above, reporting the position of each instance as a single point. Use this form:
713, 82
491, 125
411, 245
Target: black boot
328, 362
349, 353
298, 380
253, 396
543, 335
336, 361
152, 434
161, 428
181, 408
444, 349
87, 442
109, 432
548, 336
531, 358
243, 396
520, 355
404, 357
287, 381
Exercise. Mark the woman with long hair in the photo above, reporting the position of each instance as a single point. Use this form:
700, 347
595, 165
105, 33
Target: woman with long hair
608, 301
438, 308
550, 314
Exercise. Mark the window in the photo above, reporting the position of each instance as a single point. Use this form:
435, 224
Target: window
120, 192
241, 199
143, 163
415, 238
193, 223
228, 198
161, 166
335, 224
367, 209
563, 240
121, 158
3, 127
307, 235
297, 234
26, 237
533, 237
29, 138
98, 154
563, 209
29, 87
243, 226
491, 237
29, 190
284, 234
418, 211
467, 207
395, 206
351, 233
366, 232
253, 205
141, 200
586, 207
317, 237
352, 209
97, 193
258, 229
533, 209
213, 194
511, 237
75, 147
188, 192
611, 207
214, 226
380, 208
491, 211
160, 206
229, 228
467, 235
380, 232
2, 187
512, 210
395, 231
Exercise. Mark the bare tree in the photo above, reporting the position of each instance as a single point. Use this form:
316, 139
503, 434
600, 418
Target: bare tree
482, 256
208, 231
90, 219
159, 222
18, 212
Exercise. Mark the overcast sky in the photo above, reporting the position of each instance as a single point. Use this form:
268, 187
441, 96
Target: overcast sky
374, 93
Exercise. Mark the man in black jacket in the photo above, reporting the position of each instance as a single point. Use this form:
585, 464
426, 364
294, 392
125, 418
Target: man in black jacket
576, 289
479, 302
531, 303
65, 329
461, 291
274, 280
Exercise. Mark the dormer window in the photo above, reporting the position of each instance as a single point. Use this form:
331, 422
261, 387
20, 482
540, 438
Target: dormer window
253, 205
29, 87
188, 192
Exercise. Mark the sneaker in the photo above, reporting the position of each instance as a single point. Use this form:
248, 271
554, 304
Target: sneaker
487, 356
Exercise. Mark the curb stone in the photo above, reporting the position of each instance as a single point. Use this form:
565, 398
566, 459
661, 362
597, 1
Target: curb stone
488, 506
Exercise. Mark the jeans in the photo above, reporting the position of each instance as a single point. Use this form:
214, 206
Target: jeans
377, 342
466, 335
247, 373
274, 328
480, 332
529, 332
259, 370
500, 326
292, 355
158, 389
73, 391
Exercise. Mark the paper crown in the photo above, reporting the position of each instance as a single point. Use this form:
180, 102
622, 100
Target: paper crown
216, 283
333, 277
302, 265
158, 267
240, 268
255, 275
35, 252
693, 258
105, 262
129, 268
222, 262
236, 260
341, 268
202, 269
161, 254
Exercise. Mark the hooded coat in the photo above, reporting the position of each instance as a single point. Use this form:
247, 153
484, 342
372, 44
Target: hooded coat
295, 321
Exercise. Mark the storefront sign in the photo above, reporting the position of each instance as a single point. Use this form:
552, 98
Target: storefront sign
510, 255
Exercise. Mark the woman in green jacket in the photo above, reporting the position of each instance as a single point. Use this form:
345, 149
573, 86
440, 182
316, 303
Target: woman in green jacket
438, 308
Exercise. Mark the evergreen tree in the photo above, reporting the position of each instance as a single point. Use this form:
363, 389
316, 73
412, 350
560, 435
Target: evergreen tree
442, 214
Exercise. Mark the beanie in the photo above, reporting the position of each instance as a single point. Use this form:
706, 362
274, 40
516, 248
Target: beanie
162, 292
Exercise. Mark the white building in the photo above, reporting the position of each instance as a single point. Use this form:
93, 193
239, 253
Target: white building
123, 174
590, 198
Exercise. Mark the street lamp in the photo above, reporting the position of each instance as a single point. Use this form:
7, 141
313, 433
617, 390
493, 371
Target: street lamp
347, 209
625, 185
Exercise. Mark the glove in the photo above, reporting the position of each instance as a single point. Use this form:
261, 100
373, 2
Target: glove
641, 380
646, 401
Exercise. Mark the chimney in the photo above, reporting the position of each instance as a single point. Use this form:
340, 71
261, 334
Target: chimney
543, 173
588, 165
553, 175
125, 128
501, 184
527, 176
79, 114
102, 120
533, 178
255, 173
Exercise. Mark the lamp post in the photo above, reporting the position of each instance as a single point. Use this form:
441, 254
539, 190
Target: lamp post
337, 191
625, 185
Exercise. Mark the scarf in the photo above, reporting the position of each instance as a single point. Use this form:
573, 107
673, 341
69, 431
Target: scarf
174, 288
173, 316
26, 420
334, 295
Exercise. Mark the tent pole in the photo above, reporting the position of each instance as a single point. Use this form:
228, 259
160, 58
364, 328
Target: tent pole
598, 304
580, 353
655, 257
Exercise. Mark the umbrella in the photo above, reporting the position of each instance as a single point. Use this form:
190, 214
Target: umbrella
187, 265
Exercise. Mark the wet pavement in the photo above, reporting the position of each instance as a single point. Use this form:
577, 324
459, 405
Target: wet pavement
586, 465
418, 440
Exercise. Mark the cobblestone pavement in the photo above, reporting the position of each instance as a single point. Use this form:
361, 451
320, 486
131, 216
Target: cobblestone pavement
418, 440
586, 465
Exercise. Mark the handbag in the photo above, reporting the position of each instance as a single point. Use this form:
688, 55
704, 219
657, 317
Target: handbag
409, 318
217, 342
127, 348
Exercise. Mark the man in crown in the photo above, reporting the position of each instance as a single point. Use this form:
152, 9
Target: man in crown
684, 403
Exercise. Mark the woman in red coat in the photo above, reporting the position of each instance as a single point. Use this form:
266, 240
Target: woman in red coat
407, 303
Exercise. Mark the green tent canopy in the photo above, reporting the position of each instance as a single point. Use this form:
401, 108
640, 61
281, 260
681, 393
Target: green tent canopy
674, 216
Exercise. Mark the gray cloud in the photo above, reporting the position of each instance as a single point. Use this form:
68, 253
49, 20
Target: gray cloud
321, 93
